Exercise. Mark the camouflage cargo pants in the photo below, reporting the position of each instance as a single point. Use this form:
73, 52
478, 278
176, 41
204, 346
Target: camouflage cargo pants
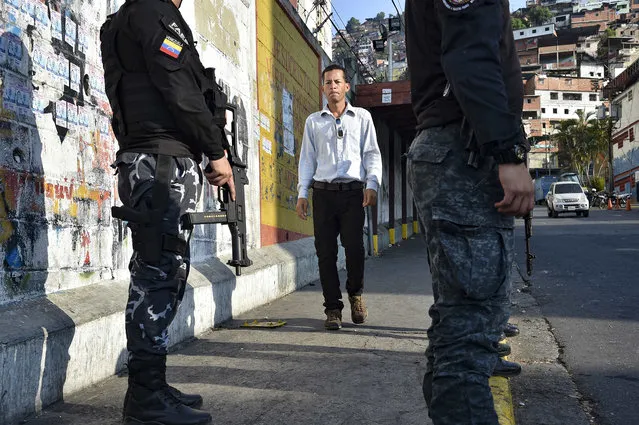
155, 290
470, 253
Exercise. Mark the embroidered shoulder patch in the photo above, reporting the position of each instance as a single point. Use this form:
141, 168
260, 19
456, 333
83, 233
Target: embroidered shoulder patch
171, 47
174, 26
457, 5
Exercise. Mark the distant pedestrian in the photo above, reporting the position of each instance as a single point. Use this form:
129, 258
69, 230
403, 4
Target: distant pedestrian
340, 160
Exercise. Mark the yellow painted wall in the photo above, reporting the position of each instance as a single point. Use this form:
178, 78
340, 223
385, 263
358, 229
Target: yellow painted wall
286, 63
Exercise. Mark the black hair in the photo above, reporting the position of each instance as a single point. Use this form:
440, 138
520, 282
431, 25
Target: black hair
333, 67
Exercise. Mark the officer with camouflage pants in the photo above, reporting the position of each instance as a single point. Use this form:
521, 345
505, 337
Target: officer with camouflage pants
155, 290
470, 252
467, 170
158, 90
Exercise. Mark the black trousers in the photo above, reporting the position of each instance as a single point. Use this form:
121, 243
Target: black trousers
339, 213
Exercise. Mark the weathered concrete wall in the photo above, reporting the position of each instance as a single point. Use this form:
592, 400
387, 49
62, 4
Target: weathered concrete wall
225, 32
56, 185
289, 64
315, 16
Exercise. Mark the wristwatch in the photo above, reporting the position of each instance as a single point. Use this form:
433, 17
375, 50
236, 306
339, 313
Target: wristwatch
513, 155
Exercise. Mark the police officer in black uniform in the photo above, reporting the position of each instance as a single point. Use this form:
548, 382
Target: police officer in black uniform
158, 91
467, 169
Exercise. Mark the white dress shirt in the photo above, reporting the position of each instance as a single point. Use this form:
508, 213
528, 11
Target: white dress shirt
340, 149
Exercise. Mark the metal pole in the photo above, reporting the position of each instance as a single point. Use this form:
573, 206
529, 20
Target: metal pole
390, 59
611, 174
548, 155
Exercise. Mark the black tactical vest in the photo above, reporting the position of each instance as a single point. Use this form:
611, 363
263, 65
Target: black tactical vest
132, 96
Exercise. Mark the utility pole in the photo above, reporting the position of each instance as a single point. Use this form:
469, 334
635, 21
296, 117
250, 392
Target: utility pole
390, 59
611, 174
603, 114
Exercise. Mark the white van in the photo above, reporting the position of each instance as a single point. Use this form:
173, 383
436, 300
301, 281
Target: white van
567, 197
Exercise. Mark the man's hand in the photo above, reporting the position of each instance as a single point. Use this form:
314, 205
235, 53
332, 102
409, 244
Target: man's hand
302, 208
370, 198
519, 192
221, 173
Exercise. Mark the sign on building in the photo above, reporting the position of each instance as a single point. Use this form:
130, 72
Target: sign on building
387, 95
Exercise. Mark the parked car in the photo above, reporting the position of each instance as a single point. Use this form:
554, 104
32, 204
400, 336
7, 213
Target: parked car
567, 197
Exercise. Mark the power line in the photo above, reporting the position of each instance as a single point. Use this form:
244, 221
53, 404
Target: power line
364, 67
340, 17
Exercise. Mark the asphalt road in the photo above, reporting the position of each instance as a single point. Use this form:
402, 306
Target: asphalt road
586, 282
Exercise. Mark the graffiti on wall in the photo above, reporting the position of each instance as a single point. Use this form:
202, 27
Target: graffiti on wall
57, 143
288, 91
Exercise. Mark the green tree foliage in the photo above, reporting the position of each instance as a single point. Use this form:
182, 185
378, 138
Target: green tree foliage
352, 25
602, 48
380, 16
538, 15
518, 23
583, 141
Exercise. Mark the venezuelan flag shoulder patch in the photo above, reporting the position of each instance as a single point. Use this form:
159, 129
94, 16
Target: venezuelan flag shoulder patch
171, 47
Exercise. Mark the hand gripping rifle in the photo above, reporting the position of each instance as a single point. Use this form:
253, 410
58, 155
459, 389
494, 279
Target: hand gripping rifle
232, 212
529, 255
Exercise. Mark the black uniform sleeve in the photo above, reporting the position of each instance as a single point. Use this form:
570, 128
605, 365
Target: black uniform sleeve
471, 34
167, 55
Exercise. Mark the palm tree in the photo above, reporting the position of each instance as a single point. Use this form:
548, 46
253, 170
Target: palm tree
583, 141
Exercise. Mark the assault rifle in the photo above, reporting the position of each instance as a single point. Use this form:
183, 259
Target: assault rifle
232, 212
529, 256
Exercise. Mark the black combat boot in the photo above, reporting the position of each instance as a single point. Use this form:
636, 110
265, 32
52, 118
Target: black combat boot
503, 350
194, 401
149, 400
159, 362
506, 369
159, 407
511, 330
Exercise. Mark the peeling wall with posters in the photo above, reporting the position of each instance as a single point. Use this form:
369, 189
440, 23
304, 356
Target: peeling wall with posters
56, 184
288, 91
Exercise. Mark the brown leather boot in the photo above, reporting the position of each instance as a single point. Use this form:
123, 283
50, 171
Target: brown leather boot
333, 320
358, 309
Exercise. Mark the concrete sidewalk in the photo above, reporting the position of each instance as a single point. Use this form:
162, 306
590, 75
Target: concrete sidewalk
300, 373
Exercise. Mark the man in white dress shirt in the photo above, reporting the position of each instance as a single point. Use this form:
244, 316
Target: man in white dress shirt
341, 161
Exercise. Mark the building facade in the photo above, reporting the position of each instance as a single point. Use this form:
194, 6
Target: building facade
625, 146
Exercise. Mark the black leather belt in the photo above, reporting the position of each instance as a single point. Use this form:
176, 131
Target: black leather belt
338, 186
